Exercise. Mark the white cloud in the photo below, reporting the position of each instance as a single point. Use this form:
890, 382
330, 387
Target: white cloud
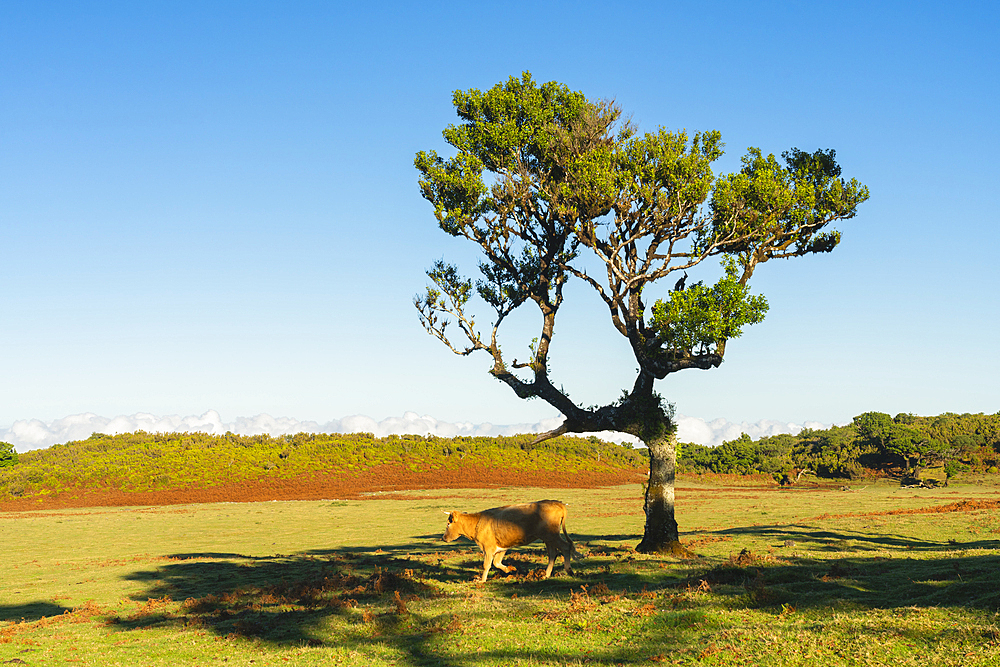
717, 431
34, 434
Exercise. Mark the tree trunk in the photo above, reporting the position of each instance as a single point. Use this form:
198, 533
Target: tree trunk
660, 535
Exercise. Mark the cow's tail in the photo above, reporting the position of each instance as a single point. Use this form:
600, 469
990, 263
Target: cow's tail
573, 553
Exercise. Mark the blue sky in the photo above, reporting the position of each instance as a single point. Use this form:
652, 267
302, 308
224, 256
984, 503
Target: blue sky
212, 206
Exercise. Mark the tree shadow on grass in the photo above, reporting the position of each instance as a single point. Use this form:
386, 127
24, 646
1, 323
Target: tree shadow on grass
968, 581
833, 540
400, 597
903, 572
351, 599
359, 601
30, 611
358, 596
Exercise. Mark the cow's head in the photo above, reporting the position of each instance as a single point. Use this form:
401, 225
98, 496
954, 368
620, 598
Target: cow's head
451, 532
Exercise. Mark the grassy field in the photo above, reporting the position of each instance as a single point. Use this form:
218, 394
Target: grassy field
817, 576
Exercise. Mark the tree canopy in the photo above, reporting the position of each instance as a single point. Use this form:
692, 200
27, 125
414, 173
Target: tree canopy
545, 181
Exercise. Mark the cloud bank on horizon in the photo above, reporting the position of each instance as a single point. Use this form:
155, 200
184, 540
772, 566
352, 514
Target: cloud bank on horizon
28, 434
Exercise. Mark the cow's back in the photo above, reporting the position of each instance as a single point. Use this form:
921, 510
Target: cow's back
517, 525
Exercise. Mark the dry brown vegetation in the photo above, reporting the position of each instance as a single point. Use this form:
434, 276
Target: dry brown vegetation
315, 486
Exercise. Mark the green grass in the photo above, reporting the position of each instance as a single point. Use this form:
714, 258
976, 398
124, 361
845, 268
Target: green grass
798, 577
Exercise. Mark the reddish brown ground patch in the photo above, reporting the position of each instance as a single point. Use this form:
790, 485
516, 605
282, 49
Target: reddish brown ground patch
960, 506
340, 486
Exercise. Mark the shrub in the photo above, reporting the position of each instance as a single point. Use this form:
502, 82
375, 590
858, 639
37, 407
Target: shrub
8, 457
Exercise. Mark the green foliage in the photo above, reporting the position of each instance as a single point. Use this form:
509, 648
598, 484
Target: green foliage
513, 129
143, 461
541, 174
8, 457
692, 457
736, 456
914, 445
873, 442
699, 318
952, 468
742, 456
873, 427
834, 452
774, 453
650, 418
780, 211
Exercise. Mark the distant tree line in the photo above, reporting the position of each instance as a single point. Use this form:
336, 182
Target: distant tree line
874, 444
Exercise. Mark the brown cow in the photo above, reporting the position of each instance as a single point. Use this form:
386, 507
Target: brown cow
501, 528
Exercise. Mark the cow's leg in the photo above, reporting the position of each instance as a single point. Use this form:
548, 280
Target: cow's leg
551, 549
554, 551
487, 561
567, 552
498, 561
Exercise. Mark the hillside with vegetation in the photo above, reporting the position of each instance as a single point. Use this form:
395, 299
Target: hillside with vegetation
873, 445
139, 468
138, 463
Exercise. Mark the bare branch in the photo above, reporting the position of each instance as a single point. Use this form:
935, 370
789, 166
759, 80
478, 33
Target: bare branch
554, 433
437, 327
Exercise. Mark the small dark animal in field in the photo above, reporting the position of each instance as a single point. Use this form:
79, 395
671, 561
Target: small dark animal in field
679, 285
501, 528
